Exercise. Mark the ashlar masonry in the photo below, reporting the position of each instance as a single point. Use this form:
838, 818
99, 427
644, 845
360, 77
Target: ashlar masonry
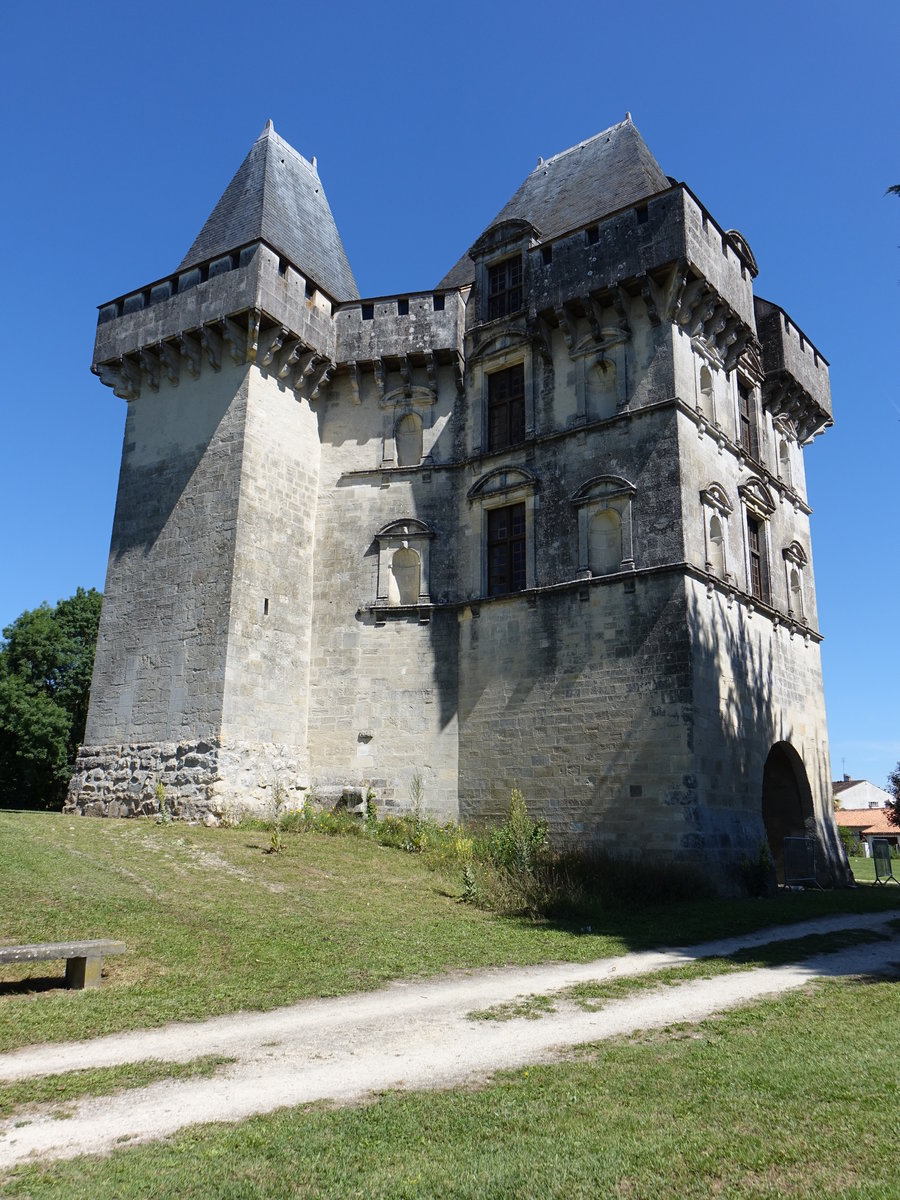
544, 525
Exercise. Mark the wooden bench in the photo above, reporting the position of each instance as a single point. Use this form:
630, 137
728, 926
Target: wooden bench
84, 960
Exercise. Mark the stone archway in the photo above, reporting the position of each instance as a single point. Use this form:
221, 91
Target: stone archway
787, 804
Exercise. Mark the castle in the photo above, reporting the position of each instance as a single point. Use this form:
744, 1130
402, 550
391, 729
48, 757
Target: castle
543, 525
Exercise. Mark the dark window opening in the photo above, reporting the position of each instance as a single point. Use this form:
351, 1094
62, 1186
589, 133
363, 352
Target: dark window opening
438, 303
266, 606
506, 550
747, 422
402, 308
310, 289
506, 407
282, 266
593, 235
755, 547
368, 312
642, 214
547, 255
505, 288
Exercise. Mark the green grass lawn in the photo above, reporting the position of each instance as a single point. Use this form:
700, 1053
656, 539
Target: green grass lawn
791, 1097
213, 924
864, 870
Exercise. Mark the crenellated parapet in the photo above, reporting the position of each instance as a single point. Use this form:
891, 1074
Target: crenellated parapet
796, 384
250, 306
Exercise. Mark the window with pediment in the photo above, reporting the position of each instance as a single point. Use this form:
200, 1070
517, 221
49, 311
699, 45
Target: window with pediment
503, 527
758, 507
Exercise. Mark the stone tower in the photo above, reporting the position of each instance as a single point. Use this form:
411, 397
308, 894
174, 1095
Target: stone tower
543, 525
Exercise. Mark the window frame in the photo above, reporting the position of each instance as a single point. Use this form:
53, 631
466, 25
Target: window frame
509, 299
514, 544
514, 432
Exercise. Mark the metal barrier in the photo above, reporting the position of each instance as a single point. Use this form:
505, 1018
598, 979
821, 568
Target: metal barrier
800, 863
881, 853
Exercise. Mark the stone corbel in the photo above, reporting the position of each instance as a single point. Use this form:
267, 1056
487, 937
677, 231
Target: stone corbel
290, 358
322, 380
380, 376
716, 324
353, 372
567, 326
406, 375
306, 368
150, 366
539, 332
170, 362
649, 300
691, 295
459, 367
675, 290
272, 343
212, 344
190, 350
122, 384
254, 317
737, 348
431, 368
619, 299
235, 339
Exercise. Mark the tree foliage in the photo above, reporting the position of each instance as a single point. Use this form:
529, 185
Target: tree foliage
46, 661
893, 786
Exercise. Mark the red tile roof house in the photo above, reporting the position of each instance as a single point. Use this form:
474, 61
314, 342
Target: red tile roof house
869, 824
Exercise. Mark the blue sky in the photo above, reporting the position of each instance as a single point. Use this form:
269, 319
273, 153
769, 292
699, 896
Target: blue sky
122, 125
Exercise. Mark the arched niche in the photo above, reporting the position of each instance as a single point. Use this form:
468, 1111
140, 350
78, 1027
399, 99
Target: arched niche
404, 553
408, 439
605, 542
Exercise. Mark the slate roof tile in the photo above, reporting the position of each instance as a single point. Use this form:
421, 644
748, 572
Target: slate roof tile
276, 196
611, 170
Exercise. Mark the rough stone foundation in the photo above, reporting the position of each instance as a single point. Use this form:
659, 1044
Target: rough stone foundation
203, 781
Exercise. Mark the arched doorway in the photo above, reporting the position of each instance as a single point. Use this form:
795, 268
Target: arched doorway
787, 805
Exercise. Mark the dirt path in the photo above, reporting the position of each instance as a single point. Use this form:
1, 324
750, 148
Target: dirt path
414, 1035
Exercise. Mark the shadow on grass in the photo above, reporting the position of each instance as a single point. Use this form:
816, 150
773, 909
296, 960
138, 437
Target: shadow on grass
41, 983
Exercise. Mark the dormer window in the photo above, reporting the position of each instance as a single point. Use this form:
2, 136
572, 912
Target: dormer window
505, 288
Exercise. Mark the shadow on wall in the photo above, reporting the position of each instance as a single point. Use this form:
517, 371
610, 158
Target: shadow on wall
754, 785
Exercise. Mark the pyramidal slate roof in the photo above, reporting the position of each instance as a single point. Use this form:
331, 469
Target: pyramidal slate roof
611, 170
276, 196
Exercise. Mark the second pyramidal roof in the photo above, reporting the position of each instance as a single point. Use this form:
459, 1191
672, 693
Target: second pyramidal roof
276, 196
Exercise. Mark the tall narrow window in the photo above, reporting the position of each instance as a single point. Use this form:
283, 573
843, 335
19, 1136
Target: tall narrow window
506, 407
796, 597
747, 422
506, 550
505, 288
756, 557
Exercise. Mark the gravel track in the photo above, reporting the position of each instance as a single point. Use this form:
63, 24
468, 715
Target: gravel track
413, 1035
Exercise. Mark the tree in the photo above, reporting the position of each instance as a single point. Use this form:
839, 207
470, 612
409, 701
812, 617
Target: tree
893, 786
46, 661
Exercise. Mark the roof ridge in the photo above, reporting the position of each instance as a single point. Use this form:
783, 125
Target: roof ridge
587, 141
